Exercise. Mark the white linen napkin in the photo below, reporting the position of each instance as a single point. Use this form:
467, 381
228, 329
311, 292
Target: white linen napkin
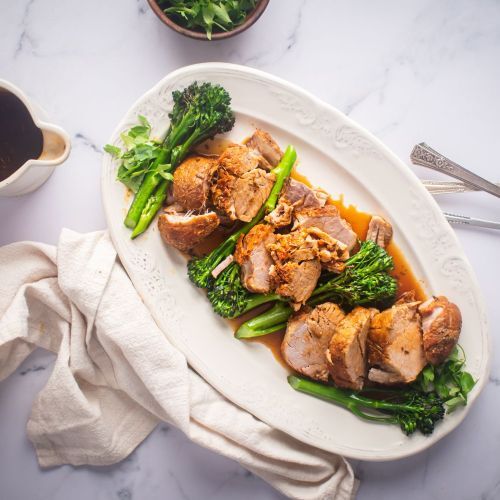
116, 375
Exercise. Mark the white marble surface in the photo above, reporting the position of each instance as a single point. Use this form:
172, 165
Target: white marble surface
408, 71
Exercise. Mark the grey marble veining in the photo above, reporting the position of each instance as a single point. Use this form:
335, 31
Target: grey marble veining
408, 71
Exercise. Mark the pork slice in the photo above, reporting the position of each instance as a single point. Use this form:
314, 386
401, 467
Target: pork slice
238, 159
409, 296
281, 216
327, 219
295, 195
192, 178
331, 252
184, 230
241, 186
379, 231
395, 350
307, 336
255, 260
298, 257
250, 192
441, 325
346, 354
266, 146
296, 280
295, 246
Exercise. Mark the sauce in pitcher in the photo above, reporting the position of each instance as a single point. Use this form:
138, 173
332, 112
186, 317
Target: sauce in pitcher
20, 139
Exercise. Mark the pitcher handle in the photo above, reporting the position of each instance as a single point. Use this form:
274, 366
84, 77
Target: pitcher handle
56, 145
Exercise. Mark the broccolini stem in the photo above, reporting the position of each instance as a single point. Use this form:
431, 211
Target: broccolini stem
152, 180
271, 321
282, 172
259, 298
148, 186
344, 398
153, 204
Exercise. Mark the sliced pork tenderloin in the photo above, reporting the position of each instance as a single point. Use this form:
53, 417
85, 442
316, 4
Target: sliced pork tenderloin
192, 178
347, 353
296, 280
298, 257
255, 260
266, 146
242, 183
395, 349
185, 230
327, 219
307, 336
441, 325
294, 196
379, 231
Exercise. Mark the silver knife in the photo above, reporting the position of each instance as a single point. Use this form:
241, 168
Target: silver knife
471, 221
425, 156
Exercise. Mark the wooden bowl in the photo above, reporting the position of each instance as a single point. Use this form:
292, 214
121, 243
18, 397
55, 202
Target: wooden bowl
198, 35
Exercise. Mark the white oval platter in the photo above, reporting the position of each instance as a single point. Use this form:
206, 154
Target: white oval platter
343, 158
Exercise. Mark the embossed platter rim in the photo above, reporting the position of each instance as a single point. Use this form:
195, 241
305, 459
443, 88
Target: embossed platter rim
341, 157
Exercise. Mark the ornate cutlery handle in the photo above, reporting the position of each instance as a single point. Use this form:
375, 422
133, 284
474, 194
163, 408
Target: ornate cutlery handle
425, 156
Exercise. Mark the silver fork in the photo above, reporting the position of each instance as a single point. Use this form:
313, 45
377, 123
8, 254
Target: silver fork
425, 156
446, 187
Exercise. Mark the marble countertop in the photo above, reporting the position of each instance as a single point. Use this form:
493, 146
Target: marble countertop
408, 71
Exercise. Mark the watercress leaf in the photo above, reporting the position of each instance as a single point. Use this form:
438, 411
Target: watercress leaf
428, 376
453, 403
466, 383
144, 122
441, 386
113, 150
127, 140
139, 132
455, 354
167, 176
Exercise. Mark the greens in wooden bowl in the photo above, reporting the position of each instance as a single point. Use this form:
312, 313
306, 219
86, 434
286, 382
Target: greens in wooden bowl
209, 19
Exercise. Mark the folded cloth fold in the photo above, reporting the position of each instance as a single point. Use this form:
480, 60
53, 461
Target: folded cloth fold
116, 375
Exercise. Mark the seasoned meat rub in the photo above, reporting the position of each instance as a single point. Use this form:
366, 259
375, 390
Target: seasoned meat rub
191, 187
395, 350
184, 230
346, 353
441, 324
254, 258
307, 337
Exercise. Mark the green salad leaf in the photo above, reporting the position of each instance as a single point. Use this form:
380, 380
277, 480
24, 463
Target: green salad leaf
208, 15
449, 380
139, 153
